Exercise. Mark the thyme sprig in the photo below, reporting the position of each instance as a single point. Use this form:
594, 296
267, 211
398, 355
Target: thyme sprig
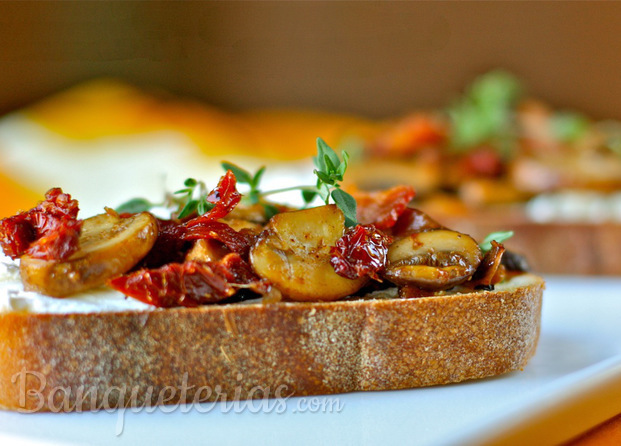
498, 237
485, 113
136, 205
193, 198
330, 171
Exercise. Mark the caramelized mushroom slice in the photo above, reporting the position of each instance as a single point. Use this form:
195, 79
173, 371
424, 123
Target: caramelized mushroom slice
109, 245
433, 260
293, 253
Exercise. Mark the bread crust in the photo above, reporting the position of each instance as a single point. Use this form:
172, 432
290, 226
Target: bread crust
241, 351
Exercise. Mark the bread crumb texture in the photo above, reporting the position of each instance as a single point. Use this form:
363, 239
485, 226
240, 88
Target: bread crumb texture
230, 352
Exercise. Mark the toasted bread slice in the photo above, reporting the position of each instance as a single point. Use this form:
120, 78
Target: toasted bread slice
75, 362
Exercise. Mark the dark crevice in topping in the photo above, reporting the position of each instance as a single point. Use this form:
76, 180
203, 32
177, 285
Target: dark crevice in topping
515, 262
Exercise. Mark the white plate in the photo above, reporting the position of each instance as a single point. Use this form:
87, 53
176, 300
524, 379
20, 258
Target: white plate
572, 383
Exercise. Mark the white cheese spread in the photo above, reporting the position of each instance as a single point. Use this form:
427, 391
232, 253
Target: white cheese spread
14, 298
575, 207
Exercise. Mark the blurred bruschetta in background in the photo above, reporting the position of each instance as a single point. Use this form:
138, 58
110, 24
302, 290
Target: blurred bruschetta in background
492, 158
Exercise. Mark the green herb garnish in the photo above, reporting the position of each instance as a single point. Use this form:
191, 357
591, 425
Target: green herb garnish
193, 198
245, 177
254, 195
569, 126
484, 114
330, 170
136, 205
498, 237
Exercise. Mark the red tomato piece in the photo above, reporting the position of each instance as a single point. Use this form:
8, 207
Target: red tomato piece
235, 241
48, 231
360, 252
173, 237
224, 196
383, 208
482, 162
189, 284
58, 242
169, 246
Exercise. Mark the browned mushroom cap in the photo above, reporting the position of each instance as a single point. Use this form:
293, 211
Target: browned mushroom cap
293, 252
109, 245
433, 260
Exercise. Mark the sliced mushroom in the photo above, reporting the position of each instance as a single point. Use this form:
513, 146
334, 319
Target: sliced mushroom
433, 260
108, 246
293, 253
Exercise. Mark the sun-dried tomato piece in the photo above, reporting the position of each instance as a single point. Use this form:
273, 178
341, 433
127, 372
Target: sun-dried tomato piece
361, 251
484, 161
16, 235
409, 136
174, 240
48, 231
169, 247
383, 208
239, 242
189, 284
240, 274
186, 284
58, 242
224, 196
174, 236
